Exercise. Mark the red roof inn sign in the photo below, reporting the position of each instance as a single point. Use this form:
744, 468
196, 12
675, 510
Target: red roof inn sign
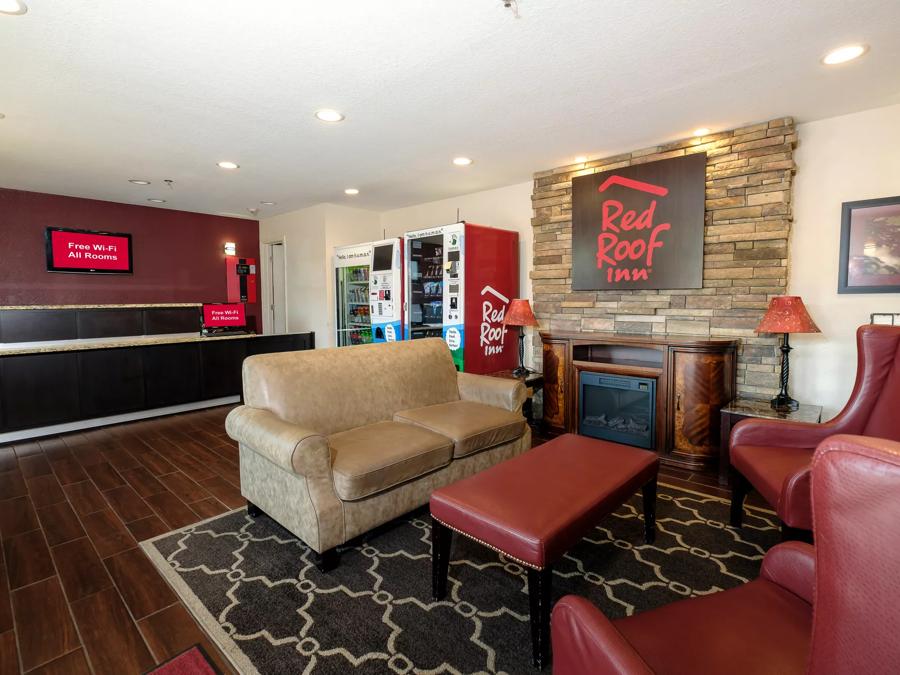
640, 226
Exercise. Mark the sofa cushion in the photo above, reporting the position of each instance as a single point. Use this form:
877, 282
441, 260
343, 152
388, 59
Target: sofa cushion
331, 390
372, 458
472, 426
758, 628
766, 467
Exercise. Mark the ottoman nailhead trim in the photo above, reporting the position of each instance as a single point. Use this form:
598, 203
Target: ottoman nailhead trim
484, 543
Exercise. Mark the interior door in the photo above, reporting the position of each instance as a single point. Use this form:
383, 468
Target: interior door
279, 292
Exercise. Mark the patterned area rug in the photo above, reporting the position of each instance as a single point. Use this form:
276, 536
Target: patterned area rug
250, 584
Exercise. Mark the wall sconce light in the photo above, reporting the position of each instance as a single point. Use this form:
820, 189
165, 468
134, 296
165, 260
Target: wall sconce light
230, 248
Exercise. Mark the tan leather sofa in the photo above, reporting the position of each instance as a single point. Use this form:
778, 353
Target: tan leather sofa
334, 442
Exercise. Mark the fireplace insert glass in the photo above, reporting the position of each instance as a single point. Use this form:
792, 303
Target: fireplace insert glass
618, 408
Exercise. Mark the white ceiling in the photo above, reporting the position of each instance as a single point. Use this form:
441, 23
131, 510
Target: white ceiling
99, 91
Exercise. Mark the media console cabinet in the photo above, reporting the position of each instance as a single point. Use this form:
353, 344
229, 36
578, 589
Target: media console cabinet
690, 380
54, 380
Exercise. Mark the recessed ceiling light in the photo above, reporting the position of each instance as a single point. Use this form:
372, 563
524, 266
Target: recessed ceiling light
328, 115
228, 165
157, 201
702, 131
138, 181
581, 159
351, 191
13, 7
462, 161
844, 54
268, 203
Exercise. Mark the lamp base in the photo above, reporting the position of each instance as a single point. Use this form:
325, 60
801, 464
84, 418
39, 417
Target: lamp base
784, 403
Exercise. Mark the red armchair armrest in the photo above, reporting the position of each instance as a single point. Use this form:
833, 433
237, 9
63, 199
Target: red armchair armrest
782, 433
585, 642
791, 565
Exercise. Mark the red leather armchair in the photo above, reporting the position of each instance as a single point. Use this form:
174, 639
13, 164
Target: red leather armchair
768, 625
774, 456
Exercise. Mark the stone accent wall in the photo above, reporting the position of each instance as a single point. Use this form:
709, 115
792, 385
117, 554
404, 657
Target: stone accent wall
749, 180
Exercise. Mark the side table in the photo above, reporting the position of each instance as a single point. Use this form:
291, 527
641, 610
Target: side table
743, 408
533, 381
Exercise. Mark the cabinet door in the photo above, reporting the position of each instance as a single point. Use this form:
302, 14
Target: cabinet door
171, 374
555, 385
700, 388
39, 389
221, 365
111, 380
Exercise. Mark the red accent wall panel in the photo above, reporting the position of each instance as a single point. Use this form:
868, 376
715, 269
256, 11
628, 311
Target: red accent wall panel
178, 255
492, 280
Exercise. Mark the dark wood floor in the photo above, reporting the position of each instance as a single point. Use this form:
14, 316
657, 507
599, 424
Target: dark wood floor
77, 594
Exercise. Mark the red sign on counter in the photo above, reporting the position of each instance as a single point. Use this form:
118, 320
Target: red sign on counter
223, 315
86, 251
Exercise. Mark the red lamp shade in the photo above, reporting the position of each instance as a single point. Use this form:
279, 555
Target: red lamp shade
519, 313
787, 314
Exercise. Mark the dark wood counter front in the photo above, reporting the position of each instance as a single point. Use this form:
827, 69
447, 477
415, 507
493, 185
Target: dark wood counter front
694, 379
85, 380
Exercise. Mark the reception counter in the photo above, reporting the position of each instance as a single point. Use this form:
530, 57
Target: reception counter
54, 386
81, 344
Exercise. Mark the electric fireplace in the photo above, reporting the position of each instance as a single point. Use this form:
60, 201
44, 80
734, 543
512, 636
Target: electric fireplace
617, 408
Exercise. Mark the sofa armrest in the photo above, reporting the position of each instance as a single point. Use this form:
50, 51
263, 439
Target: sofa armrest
497, 391
585, 642
781, 433
791, 565
287, 445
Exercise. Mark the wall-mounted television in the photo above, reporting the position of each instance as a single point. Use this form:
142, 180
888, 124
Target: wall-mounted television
88, 251
223, 317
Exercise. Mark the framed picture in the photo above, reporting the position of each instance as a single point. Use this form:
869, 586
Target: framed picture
870, 246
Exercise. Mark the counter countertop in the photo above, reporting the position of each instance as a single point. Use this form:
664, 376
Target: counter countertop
135, 306
49, 346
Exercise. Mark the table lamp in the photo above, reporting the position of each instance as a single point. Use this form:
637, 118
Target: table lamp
519, 313
786, 314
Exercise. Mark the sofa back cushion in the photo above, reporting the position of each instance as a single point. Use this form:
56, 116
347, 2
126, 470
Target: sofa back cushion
332, 390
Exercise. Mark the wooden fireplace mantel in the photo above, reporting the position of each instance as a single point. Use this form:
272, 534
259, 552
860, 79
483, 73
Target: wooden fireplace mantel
695, 378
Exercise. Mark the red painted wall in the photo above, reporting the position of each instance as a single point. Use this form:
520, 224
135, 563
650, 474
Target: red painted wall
178, 255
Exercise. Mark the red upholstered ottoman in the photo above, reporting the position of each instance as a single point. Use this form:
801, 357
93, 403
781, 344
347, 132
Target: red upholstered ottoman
535, 507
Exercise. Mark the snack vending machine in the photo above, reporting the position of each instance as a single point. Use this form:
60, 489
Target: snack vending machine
369, 292
459, 281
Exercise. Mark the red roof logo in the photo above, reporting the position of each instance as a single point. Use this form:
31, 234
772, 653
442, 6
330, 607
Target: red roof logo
657, 190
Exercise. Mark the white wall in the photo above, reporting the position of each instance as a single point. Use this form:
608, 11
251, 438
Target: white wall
508, 208
303, 233
310, 236
839, 159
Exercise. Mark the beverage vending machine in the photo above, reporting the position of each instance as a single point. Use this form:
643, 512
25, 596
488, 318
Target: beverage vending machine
459, 281
353, 325
368, 292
